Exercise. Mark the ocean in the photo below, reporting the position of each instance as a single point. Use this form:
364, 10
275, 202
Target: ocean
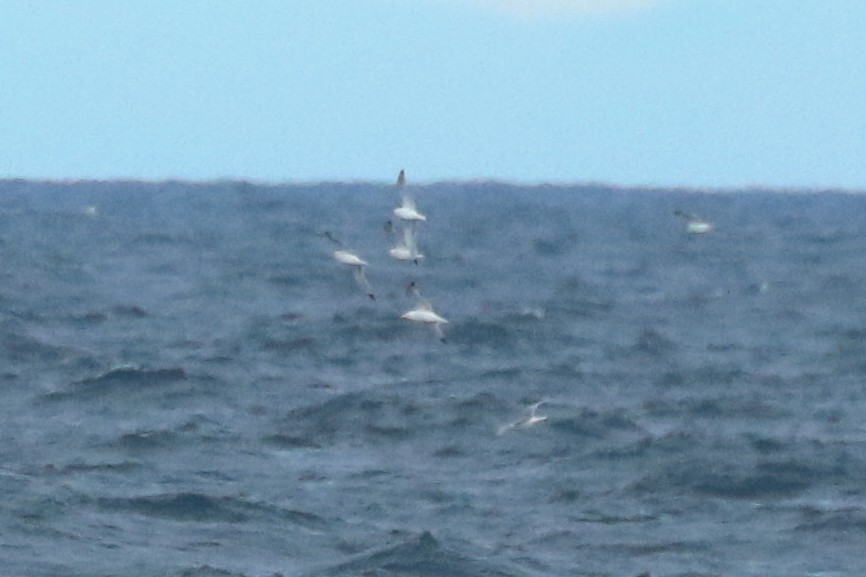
191, 385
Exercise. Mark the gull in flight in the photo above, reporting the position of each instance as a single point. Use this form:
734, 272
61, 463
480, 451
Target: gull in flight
694, 224
533, 418
409, 217
423, 313
407, 211
406, 247
354, 262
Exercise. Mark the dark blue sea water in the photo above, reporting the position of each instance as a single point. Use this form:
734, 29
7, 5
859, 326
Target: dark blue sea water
191, 386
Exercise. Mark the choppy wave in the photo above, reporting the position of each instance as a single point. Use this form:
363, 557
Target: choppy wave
826, 522
120, 380
419, 555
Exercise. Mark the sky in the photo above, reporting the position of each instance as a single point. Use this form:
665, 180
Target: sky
702, 93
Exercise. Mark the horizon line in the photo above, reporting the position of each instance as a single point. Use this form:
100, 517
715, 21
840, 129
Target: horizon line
486, 181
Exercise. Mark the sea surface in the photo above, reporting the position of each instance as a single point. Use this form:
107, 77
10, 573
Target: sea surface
190, 384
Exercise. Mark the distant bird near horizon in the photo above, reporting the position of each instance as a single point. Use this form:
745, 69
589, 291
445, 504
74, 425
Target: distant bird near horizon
694, 224
407, 211
353, 261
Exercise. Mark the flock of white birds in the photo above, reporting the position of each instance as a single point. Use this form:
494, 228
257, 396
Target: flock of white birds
406, 249
408, 219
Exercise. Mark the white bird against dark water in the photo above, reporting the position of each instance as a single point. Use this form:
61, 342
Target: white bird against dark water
423, 313
694, 224
406, 247
533, 418
354, 262
407, 211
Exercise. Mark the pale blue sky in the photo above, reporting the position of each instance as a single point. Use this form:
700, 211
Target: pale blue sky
713, 93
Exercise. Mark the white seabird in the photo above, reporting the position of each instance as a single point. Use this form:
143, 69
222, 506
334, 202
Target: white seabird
533, 418
356, 263
407, 211
423, 313
426, 316
694, 224
406, 247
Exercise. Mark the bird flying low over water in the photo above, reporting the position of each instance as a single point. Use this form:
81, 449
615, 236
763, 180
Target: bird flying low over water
694, 224
428, 317
406, 247
423, 313
354, 262
531, 419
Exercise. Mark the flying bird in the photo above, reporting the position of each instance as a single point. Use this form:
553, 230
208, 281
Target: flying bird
407, 211
353, 261
694, 224
533, 418
406, 247
423, 313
